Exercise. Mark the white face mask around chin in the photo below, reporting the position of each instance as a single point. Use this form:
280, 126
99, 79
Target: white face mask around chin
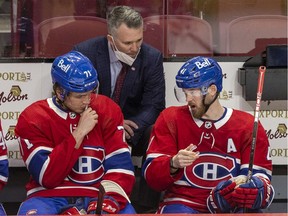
123, 57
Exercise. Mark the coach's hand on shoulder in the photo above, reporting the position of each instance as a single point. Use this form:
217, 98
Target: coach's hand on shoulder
258, 193
129, 127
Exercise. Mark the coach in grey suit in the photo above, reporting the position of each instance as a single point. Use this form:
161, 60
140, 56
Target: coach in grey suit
143, 92
142, 96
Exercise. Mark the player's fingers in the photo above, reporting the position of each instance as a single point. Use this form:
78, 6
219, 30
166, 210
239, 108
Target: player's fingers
185, 161
191, 147
188, 154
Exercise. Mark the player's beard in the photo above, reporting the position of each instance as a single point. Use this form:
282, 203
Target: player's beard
197, 110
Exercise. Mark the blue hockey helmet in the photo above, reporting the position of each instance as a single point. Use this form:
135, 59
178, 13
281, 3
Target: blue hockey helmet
74, 72
200, 72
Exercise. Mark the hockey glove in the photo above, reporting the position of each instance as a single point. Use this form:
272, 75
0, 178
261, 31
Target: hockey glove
256, 194
73, 211
76, 208
110, 206
220, 198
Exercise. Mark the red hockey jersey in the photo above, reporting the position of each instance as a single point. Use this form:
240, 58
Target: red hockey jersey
4, 164
224, 147
57, 168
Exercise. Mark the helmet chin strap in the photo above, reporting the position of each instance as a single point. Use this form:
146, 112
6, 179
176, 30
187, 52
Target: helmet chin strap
207, 106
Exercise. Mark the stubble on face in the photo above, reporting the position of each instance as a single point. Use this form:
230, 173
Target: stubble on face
197, 110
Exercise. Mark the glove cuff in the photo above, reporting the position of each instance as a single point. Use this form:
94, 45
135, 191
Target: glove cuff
212, 207
219, 200
268, 192
73, 211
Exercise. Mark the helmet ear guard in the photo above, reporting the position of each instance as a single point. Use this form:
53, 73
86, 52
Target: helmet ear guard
74, 72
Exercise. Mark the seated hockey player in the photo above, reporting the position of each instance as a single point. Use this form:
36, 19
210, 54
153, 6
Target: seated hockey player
199, 153
73, 142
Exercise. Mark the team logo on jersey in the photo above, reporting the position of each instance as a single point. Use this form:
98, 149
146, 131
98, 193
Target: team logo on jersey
89, 167
209, 169
72, 115
208, 124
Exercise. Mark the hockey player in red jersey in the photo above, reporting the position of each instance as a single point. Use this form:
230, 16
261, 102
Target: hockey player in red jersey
73, 142
4, 165
199, 153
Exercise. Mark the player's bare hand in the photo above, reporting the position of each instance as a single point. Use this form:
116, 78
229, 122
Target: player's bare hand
129, 127
185, 157
88, 120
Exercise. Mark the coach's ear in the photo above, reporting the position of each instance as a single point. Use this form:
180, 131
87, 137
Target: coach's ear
111, 41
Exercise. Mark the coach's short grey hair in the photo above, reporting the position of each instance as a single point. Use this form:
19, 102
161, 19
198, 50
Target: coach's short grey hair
123, 14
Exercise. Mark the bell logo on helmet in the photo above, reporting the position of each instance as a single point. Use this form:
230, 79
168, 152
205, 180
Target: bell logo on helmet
63, 67
203, 64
